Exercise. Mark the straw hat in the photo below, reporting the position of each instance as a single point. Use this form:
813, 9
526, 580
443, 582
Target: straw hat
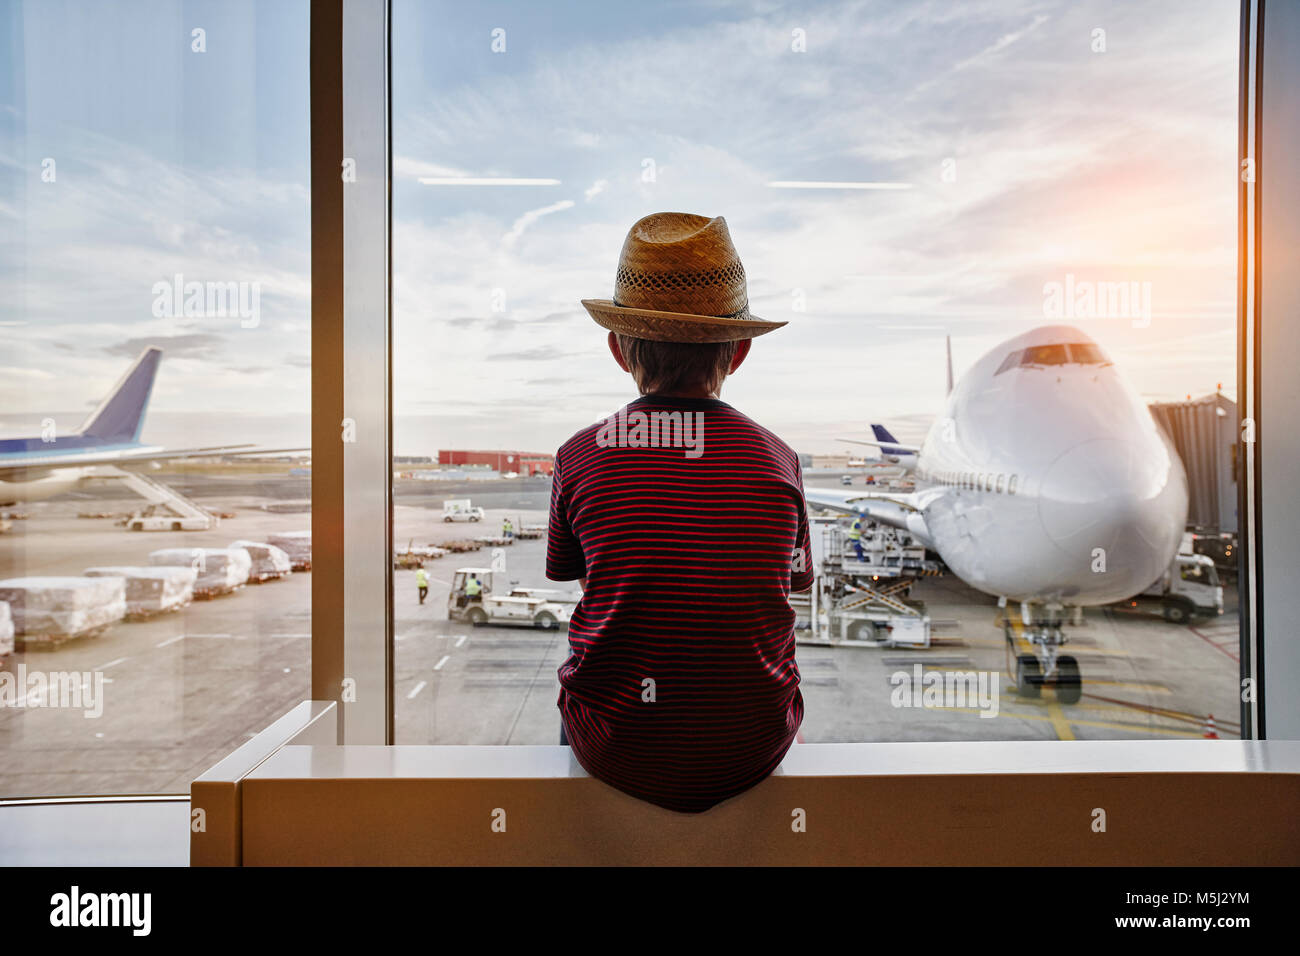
679, 279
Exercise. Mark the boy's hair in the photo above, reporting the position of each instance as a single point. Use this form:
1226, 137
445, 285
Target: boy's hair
674, 366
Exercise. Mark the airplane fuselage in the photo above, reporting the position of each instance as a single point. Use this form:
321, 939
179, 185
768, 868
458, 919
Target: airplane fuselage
34, 470
1049, 481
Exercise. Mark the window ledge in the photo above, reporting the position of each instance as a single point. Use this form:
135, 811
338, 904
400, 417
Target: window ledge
307, 800
808, 760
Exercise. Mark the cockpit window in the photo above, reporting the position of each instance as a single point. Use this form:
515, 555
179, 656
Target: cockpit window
1085, 353
1011, 361
1038, 356
1045, 355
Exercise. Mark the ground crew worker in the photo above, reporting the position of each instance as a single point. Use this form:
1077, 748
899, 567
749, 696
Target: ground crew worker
855, 535
422, 582
507, 529
473, 590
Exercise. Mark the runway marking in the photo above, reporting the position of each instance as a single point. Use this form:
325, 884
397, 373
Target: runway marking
460, 639
1129, 728
1059, 723
445, 659
171, 640
1214, 645
418, 687
1081, 707
1131, 685
112, 663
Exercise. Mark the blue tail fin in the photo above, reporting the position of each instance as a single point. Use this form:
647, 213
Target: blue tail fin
120, 417
882, 433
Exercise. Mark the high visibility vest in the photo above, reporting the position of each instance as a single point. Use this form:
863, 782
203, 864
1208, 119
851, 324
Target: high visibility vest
855, 530
473, 588
421, 578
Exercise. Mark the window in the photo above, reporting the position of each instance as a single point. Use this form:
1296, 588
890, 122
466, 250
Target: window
1011, 361
520, 159
1044, 355
1087, 353
155, 203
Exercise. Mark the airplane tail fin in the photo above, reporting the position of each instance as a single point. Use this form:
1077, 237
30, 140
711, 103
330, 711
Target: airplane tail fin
882, 434
120, 416
948, 341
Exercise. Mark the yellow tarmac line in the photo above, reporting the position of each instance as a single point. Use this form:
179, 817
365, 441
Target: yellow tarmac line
1059, 723
1130, 728
1081, 707
1129, 685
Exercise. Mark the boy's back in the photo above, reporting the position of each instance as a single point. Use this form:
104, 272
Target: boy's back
681, 687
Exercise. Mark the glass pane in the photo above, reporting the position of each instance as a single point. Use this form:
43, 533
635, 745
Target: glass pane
890, 180
1045, 355
155, 390
1086, 353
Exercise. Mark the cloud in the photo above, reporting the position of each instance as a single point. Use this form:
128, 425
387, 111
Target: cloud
26, 373
537, 354
200, 345
530, 217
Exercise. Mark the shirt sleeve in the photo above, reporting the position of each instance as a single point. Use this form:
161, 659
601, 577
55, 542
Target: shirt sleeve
801, 562
564, 558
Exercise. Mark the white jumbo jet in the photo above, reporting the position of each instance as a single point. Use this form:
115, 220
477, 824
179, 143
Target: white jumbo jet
1044, 482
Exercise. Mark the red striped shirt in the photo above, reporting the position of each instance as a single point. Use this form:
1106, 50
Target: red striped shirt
688, 521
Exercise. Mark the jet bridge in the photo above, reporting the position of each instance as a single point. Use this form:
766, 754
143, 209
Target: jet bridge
859, 592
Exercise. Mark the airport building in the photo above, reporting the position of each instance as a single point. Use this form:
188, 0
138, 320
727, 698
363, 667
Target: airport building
502, 461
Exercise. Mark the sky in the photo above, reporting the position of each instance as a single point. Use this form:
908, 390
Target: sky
1031, 147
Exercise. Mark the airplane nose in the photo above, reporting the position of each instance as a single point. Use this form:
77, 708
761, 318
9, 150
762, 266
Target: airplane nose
1119, 497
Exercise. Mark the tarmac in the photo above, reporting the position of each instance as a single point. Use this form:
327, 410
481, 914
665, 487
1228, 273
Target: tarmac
184, 689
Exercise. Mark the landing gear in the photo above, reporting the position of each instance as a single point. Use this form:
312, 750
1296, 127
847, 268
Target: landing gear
1029, 676
1069, 685
1034, 642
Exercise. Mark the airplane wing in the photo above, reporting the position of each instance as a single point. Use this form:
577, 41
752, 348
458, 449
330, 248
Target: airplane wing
903, 510
26, 467
913, 449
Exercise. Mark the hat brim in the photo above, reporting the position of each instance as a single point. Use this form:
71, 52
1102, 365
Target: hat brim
674, 326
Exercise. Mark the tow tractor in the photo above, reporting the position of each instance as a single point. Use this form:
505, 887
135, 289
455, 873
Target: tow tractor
501, 601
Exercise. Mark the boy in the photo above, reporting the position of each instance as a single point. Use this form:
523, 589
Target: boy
685, 522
